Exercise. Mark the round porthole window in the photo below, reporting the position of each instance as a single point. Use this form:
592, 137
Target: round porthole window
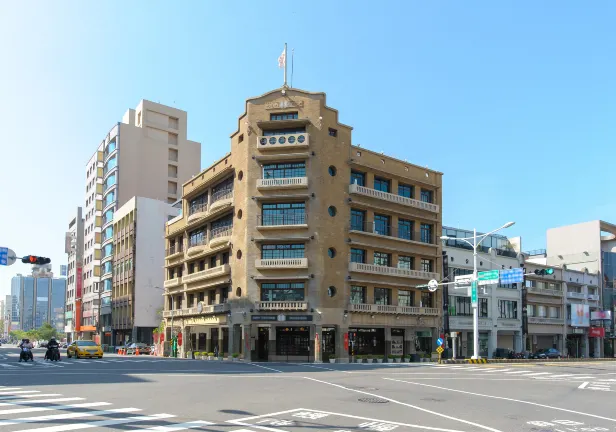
239, 254
332, 211
240, 175
332, 170
331, 252
331, 291
239, 214
238, 292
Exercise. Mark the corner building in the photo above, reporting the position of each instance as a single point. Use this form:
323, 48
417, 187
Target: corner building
299, 246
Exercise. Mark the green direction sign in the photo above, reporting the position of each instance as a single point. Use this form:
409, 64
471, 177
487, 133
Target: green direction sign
474, 294
488, 277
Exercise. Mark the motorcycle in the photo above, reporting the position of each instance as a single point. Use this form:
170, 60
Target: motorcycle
25, 354
53, 354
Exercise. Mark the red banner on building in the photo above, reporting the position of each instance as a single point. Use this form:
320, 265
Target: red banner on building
346, 342
596, 332
79, 281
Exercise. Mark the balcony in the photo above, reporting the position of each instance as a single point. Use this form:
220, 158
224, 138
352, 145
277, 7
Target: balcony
543, 291
391, 271
221, 198
281, 263
196, 212
282, 221
170, 283
207, 274
593, 297
196, 245
544, 320
576, 295
506, 253
391, 232
220, 235
205, 310
175, 250
397, 199
389, 309
277, 142
283, 183
281, 306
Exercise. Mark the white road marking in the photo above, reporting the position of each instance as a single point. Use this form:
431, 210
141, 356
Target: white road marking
497, 370
562, 376
507, 399
180, 426
517, 372
264, 367
101, 423
242, 421
537, 374
408, 405
66, 416
583, 385
37, 401
53, 408
329, 369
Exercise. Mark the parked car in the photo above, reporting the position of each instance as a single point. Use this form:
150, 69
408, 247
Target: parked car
143, 348
550, 353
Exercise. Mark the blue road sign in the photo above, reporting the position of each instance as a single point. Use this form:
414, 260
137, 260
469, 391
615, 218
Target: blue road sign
4, 256
512, 276
439, 341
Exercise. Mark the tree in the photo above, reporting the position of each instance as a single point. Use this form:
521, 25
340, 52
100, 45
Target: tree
46, 331
17, 334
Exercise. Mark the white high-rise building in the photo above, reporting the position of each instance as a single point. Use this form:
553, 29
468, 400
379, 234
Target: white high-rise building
73, 247
146, 155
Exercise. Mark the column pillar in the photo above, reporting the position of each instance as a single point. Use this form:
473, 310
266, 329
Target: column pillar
316, 343
271, 345
387, 341
585, 347
230, 348
342, 354
492, 342
409, 341
517, 341
208, 340
221, 348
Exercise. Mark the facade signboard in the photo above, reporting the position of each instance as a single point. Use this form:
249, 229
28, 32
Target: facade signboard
601, 315
580, 315
597, 332
282, 317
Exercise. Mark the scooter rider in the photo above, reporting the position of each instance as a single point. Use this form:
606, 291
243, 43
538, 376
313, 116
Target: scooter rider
50, 346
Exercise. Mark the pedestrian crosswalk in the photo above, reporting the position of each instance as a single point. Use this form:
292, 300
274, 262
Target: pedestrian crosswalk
516, 372
22, 408
41, 363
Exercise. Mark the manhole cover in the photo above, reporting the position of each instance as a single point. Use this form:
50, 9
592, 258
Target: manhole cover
373, 400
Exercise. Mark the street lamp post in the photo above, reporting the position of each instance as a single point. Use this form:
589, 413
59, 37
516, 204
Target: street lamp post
475, 244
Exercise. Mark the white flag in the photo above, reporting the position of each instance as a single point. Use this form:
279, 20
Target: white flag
282, 60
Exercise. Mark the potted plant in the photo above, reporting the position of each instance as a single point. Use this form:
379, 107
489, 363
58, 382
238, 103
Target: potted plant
197, 355
210, 356
379, 359
235, 356
392, 358
332, 360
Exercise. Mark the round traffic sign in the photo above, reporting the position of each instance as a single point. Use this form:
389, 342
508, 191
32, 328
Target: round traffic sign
433, 285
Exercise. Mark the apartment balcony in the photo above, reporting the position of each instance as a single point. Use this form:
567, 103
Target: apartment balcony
207, 274
282, 221
196, 212
391, 271
593, 297
283, 142
170, 283
542, 291
281, 263
393, 198
220, 236
281, 306
391, 232
220, 200
544, 320
196, 246
283, 183
390, 309
199, 310
175, 251
576, 295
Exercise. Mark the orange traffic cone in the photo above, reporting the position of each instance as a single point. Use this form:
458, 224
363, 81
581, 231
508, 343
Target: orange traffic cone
136, 351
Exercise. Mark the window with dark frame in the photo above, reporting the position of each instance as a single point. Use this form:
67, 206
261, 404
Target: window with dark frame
282, 251
382, 184
282, 291
284, 170
358, 294
332, 132
382, 259
405, 229
284, 116
283, 214
426, 196
405, 298
382, 296
406, 262
508, 309
358, 220
358, 256
426, 233
382, 224
358, 178
426, 265
405, 190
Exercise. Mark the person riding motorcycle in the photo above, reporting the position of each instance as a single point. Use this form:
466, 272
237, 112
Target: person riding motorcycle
25, 343
50, 346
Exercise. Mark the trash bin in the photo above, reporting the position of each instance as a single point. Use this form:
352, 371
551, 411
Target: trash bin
415, 358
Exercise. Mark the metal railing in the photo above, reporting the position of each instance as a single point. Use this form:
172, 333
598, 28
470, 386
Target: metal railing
391, 309
221, 195
223, 231
281, 219
386, 196
392, 271
507, 253
536, 252
198, 241
197, 208
281, 305
282, 182
176, 248
282, 263
376, 227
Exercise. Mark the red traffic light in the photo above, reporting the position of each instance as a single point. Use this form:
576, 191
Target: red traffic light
33, 259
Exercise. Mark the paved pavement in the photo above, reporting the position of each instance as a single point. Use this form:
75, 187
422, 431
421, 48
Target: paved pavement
152, 394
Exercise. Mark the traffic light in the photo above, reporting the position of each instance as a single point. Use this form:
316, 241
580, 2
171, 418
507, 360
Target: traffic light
33, 259
545, 272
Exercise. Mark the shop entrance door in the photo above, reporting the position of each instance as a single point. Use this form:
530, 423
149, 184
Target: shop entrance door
263, 344
328, 341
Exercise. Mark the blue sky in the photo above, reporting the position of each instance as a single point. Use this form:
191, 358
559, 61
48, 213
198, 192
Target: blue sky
513, 101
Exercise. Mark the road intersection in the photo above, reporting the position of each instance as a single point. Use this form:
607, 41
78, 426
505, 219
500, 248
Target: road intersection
154, 394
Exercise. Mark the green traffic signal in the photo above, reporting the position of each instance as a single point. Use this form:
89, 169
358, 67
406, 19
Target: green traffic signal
549, 271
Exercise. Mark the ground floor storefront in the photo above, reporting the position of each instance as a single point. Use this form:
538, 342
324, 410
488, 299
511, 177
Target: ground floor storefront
291, 338
491, 342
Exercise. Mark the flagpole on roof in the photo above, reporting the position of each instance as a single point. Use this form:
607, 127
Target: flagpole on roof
285, 65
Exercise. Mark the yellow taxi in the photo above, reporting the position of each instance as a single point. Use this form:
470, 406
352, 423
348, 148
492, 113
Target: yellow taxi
84, 348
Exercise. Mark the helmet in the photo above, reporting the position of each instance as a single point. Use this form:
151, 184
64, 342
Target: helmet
53, 338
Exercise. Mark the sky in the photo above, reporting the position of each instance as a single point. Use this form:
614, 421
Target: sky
514, 101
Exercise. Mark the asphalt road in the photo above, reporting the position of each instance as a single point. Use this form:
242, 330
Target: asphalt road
148, 393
